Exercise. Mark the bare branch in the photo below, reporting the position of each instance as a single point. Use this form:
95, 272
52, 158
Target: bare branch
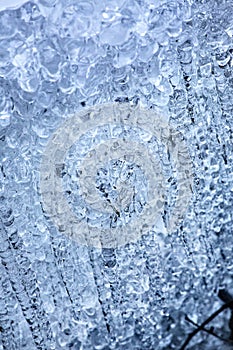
210, 331
209, 319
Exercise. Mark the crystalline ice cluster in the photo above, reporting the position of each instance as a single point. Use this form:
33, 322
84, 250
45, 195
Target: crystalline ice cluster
57, 58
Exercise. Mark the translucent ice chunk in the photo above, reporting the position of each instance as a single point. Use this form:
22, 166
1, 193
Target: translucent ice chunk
10, 4
8, 24
115, 34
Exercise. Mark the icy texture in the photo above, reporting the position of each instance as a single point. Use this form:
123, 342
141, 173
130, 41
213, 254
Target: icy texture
57, 57
128, 136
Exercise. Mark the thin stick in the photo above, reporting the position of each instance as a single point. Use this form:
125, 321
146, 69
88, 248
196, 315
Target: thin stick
209, 331
202, 326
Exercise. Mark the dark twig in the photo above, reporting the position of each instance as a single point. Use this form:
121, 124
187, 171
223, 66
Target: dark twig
210, 331
209, 319
226, 297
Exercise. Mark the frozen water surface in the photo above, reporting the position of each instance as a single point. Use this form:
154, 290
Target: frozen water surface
64, 58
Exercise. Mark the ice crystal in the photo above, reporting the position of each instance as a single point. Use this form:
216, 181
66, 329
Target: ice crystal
60, 62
